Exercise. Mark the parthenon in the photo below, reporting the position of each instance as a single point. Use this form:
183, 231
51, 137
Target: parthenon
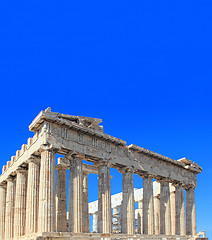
34, 202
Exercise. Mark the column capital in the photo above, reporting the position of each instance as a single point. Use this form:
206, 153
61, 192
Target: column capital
48, 147
61, 167
10, 179
126, 170
3, 185
33, 158
85, 173
146, 175
74, 155
161, 179
21, 170
102, 163
177, 184
189, 186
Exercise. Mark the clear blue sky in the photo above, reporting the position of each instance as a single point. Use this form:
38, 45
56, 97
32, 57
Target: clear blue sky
144, 67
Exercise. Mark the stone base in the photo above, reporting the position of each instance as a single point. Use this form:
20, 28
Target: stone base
98, 236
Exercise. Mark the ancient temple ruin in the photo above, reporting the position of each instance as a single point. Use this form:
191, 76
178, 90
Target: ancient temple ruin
33, 204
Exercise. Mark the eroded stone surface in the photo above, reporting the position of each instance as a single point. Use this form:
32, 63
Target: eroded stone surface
31, 209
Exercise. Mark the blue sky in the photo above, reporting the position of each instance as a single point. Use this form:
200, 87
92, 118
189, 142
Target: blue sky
144, 67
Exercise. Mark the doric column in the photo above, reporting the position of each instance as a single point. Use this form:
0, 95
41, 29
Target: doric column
61, 199
32, 195
75, 195
190, 212
104, 199
10, 205
180, 210
157, 214
173, 208
140, 217
95, 224
2, 209
165, 211
116, 220
148, 206
128, 203
46, 219
20, 203
86, 223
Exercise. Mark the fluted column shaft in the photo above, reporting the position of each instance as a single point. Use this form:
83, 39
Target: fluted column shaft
20, 203
86, 222
32, 196
104, 200
10, 205
148, 206
190, 212
128, 204
75, 195
173, 208
61, 200
46, 219
140, 217
165, 211
157, 214
95, 219
180, 227
116, 219
2, 209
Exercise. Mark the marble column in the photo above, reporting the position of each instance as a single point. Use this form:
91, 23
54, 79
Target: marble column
104, 199
116, 220
128, 203
20, 203
10, 205
95, 219
173, 208
61, 199
46, 218
3, 188
75, 195
165, 211
140, 217
86, 222
180, 227
32, 195
190, 212
148, 206
157, 214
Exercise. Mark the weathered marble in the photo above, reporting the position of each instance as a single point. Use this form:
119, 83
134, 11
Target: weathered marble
173, 208
75, 195
128, 204
10, 205
46, 217
32, 195
32, 209
157, 214
86, 221
180, 211
190, 212
116, 219
3, 188
20, 203
61, 199
104, 200
140, 217
165, 209
148, 206
95, 220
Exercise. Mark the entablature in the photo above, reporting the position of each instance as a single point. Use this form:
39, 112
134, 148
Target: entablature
67, 133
